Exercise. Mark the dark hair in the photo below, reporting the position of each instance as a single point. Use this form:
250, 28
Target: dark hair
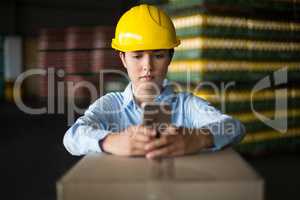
171, 53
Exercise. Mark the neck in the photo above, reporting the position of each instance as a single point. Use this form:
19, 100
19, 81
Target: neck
146, 95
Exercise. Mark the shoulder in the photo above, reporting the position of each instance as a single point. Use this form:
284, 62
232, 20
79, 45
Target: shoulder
190, 98
195, 104
109, 101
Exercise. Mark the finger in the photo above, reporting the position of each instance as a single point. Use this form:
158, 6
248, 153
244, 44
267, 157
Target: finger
137, 149
162, 152
170, 130
175, 149
143, 130
162, 141
139, 145
142, 138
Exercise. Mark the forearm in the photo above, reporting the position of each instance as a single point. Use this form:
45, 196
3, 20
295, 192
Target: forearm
199, 138
82, 138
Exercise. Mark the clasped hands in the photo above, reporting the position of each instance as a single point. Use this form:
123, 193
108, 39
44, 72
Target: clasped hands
142, 141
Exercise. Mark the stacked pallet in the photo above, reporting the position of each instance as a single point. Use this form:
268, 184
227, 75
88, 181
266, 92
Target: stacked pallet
77, 56
79, 42
1, 69
50, 58
242, 42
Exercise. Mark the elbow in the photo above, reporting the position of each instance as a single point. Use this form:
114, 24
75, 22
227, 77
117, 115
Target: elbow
240, 132
70, 144
226, 133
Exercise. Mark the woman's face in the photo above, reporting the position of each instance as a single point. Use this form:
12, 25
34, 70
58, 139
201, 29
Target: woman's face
146, 69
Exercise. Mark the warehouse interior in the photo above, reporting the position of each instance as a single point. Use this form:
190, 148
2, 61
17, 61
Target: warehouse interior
231, 44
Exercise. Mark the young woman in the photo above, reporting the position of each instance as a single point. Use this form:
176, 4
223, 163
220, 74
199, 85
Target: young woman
145, 38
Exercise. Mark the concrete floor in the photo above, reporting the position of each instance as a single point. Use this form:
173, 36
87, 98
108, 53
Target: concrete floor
33, 158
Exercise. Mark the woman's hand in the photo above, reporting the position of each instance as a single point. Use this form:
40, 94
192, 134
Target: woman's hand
178, 141
130, 142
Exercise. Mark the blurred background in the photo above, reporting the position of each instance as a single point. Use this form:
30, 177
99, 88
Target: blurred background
227, 48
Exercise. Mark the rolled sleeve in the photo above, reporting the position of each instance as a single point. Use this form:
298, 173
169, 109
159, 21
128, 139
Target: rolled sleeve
226, 132
224, 129
83, 139
84, 135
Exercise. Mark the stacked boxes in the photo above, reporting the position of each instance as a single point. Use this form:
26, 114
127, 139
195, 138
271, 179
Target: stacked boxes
79, 41
50, 58
77, 55
242, 45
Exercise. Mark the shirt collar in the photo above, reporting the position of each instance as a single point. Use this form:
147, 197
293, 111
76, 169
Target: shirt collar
166, 94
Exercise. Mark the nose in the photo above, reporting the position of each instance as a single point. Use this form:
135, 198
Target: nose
147, 63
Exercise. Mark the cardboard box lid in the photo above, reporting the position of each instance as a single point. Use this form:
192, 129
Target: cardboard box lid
224, 165
219, 173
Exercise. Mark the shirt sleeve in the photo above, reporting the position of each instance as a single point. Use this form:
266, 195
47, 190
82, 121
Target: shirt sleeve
84, 135
225, 129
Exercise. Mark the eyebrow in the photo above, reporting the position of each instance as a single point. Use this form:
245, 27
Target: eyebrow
155, 51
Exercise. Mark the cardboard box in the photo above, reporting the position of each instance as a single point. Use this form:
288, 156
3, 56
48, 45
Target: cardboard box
219, 175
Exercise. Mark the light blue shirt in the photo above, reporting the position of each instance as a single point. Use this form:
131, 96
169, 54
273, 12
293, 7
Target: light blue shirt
116, 111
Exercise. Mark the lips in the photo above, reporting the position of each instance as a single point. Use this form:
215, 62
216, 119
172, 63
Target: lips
147, 78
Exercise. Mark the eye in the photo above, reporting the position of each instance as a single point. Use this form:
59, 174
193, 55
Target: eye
159, 55
137, 56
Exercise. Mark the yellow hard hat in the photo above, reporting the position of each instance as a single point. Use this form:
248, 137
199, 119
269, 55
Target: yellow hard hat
144, 27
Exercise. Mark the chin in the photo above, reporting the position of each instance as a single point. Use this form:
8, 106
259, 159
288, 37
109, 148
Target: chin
149, 86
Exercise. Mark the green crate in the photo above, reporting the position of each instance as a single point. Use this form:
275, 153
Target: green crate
245, 106
236, 54
258, 126
278, 6
265, 9
237, 33
239, 77
270, 12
